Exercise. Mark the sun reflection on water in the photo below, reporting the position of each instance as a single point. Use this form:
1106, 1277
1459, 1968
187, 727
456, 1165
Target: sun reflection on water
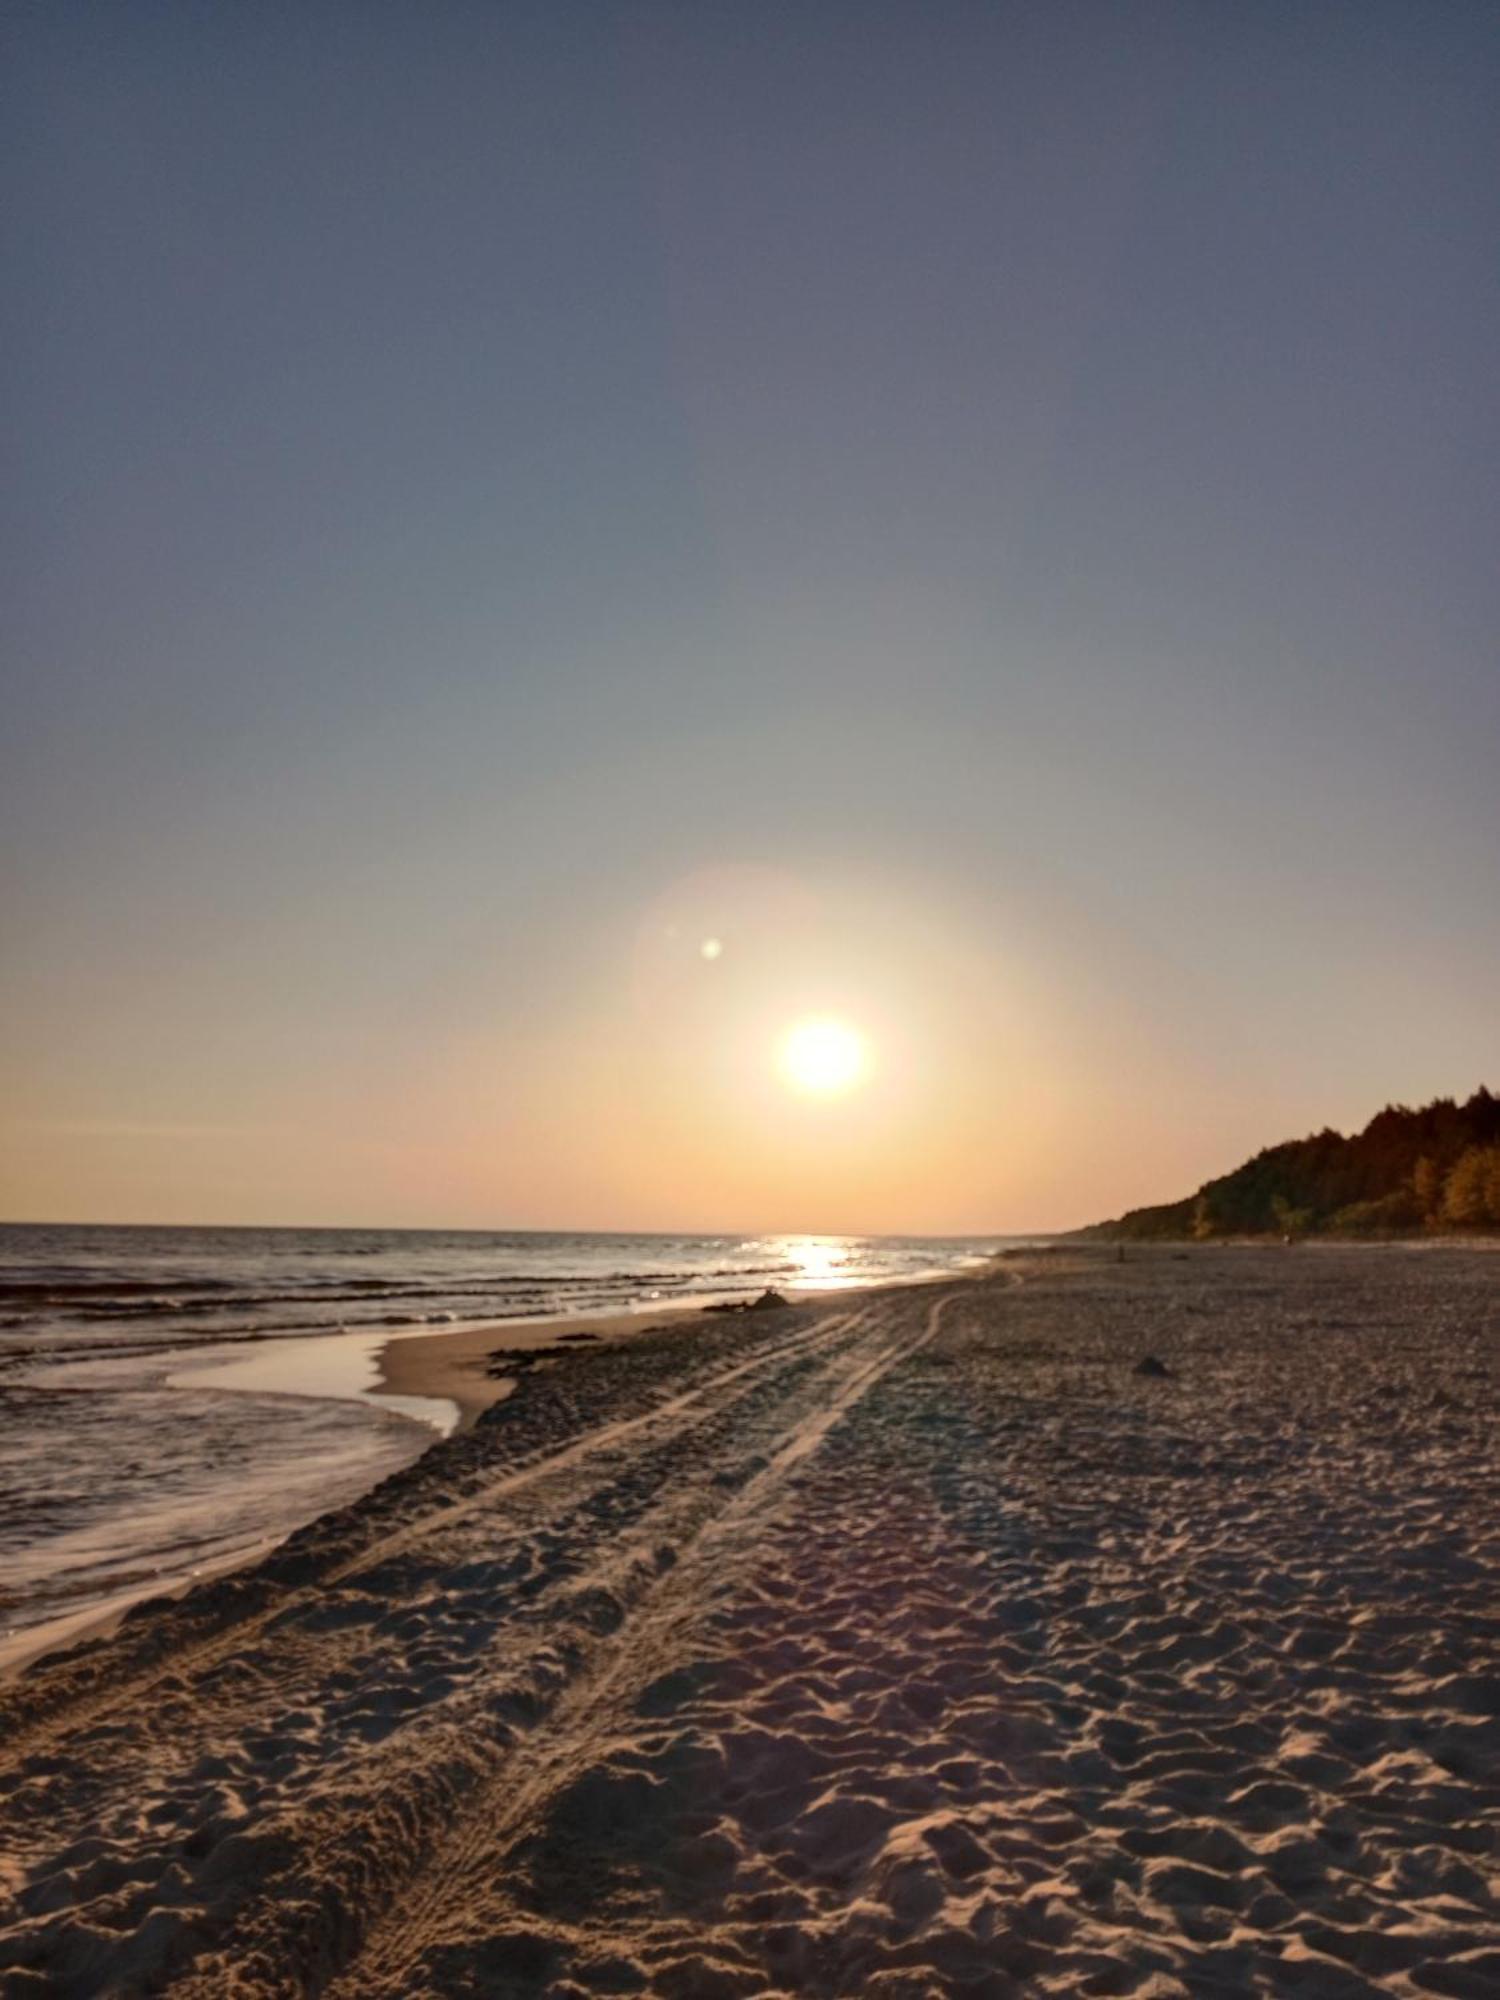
820, 1263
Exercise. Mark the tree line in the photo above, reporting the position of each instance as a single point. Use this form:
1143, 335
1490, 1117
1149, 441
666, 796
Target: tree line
1433, 1168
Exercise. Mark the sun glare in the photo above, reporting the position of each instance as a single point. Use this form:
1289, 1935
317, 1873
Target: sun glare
823, 1057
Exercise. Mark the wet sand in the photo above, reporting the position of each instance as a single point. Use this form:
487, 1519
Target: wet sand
443, 1380
467, 1368
907, 1643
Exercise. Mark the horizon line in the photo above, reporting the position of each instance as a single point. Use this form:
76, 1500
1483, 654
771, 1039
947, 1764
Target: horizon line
496, 1229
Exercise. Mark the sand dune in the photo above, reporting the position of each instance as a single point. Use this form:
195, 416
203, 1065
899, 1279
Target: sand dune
907, 1644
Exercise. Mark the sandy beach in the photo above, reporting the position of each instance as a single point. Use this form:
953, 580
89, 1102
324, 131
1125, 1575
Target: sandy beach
1090, 1627
469, 1369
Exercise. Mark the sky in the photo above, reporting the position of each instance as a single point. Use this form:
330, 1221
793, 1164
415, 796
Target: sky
985, 512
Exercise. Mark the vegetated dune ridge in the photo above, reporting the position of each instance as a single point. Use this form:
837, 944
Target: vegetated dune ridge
907, 1644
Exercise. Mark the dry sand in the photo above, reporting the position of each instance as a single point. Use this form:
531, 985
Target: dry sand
904, 1644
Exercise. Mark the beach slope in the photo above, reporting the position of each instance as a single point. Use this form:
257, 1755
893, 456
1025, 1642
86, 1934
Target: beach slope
1088, 1627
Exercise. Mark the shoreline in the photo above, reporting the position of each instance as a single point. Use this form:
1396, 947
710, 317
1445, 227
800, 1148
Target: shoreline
1109, 1627
441, 1366
24, 1649
452, 1365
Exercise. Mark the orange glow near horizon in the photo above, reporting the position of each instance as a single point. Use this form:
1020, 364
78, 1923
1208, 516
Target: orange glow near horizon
860, 1053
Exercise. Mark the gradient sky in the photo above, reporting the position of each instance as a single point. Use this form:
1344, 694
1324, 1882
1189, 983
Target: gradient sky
988, 510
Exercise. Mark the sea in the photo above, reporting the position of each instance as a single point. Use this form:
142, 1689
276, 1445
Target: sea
174, 1401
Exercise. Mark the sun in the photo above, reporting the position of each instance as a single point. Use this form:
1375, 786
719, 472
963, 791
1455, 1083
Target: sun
822, 1057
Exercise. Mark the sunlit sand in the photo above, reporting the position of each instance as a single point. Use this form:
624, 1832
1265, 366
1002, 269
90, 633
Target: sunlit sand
1091, 1626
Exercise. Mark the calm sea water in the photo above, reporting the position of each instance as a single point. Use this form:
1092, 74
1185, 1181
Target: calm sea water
132, 1458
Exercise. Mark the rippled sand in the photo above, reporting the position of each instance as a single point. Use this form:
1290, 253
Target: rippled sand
907, 1645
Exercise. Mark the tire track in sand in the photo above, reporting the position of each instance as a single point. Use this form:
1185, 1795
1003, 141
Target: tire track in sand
782, 1399
22, 1734
459, 1877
